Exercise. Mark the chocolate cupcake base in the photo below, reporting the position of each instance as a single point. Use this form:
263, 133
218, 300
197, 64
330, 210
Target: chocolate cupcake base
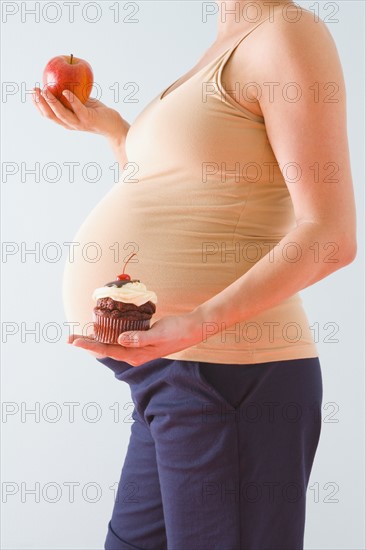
107, 329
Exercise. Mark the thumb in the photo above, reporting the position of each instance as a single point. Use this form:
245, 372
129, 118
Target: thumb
76, 104
133, 338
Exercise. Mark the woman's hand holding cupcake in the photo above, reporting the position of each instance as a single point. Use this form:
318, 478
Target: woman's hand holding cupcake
168, 335
122, 324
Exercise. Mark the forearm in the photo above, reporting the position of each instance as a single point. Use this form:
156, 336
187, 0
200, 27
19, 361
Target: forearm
304, 256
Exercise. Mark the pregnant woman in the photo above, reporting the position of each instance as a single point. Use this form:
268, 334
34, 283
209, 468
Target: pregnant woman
241, 197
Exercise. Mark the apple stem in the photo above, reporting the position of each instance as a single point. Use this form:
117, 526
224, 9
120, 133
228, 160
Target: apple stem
71, 59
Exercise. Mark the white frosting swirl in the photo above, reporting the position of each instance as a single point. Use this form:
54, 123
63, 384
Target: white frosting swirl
130, 293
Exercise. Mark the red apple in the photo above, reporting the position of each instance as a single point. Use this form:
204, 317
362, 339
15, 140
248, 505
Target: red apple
66, 72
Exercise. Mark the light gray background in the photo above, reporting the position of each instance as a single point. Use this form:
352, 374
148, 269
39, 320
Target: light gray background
165, 42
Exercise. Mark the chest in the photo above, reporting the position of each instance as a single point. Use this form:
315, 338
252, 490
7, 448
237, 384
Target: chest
238, 74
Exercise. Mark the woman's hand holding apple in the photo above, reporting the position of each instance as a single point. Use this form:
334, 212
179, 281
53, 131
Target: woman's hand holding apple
92, 116
68, 81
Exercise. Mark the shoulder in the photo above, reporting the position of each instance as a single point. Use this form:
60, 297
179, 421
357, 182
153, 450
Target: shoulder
296, 43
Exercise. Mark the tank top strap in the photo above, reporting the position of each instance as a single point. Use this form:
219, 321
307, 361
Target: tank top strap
217, 68
216, 65
225, 55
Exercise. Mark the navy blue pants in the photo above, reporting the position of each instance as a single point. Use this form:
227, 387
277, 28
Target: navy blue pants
219, 456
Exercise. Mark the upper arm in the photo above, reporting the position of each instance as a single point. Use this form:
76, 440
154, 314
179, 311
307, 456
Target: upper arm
300, 60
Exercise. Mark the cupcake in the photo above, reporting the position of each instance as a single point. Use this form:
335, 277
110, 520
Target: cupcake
123, 304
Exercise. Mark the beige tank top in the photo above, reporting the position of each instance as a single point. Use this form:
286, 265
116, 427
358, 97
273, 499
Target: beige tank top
201, 202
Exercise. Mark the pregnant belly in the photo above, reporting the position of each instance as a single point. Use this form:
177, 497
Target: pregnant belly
167, 240
100, 248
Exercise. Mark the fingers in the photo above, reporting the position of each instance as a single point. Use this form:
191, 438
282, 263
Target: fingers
35, 100
87, 338
59, 111
42, 105
96, 348
88, 343
114, 351
78, 108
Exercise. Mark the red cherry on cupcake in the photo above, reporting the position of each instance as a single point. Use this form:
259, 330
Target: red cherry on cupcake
123, 276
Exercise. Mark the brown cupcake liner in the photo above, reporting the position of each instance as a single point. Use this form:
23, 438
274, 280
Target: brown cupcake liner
107, 330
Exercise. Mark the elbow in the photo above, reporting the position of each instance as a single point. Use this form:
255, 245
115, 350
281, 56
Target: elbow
352, 252
339, 246
349, 252
345, 240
